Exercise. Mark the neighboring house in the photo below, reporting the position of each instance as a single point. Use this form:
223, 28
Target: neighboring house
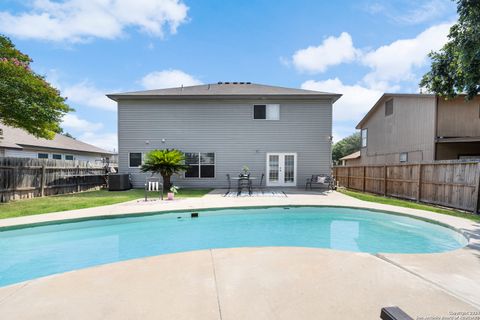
280, 132
420, 127
20, 144
352, 159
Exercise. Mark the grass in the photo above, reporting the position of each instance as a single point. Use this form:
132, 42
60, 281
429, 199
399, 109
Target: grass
409, 204
82, 200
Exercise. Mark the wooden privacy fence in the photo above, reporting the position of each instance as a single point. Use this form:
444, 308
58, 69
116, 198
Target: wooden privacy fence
28, 178
448, 183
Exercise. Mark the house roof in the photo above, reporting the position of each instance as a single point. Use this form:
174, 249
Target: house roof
15, 138
387, 96
351, 156
225, 90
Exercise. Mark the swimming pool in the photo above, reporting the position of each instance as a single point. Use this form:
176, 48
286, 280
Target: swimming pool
33, 252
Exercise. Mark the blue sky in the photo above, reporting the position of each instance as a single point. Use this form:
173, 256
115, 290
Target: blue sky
362, 48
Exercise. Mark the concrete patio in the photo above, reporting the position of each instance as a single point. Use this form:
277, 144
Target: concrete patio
255, 283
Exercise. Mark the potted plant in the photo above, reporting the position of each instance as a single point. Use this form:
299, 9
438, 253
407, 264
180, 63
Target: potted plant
166, 163
245, 171
173, 191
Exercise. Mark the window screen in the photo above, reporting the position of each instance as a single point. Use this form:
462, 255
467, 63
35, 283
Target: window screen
260, 111
135, 159
403, 157
389, 107
364, 137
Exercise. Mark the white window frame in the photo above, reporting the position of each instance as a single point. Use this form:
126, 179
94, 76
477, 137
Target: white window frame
200, 166
141, 159
69, 155
403, 154
270, 115
364, 137
39, 153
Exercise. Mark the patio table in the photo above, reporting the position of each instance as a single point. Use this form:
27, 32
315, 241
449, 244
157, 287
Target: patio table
244, 178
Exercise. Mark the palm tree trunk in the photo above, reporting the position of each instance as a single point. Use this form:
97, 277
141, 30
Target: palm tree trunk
166, 182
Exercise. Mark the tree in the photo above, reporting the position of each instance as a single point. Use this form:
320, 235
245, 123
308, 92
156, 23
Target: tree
27, 101
346, 146
456, 67
166, 163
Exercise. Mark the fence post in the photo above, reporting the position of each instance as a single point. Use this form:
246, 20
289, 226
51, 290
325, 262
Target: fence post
78, 178
364, 170
348, 177
419, 187
477, 191
42, 181
385, 180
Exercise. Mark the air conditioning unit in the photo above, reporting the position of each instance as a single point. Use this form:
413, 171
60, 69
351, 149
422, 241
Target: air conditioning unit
119, 182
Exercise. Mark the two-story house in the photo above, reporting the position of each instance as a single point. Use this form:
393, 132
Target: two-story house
420, 127
280, 132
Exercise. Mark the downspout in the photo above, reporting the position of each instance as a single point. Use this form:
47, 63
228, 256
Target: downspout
435, 129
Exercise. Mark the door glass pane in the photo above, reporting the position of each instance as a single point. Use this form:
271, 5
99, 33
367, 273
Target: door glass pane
273, 168
289, 168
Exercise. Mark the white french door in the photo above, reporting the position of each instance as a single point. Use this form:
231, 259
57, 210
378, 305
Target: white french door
281, 169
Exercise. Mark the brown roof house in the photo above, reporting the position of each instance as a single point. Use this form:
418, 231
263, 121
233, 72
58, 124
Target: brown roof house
18, 143
420, 127
352, 159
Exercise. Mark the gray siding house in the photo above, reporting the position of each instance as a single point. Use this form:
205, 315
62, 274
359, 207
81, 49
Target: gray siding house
280, 132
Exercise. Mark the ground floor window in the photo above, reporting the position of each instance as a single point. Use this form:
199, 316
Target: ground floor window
57, 156
68, 157
43, 156
200, 164
403, 157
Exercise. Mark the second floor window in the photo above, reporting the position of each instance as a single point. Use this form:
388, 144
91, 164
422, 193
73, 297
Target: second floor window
364, 137
266, 112
43, 156
135, 159
389, 107
57, 156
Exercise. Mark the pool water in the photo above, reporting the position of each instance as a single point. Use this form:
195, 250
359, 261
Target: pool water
33, 252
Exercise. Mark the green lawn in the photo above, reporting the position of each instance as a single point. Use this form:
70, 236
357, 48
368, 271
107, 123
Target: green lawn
409, 204
81, 200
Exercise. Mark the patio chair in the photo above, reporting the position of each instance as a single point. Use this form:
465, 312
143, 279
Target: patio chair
153, 184
322, 180
229, 185
260, 184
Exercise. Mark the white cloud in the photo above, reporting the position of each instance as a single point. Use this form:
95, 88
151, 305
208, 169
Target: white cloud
72, 121
332, 51
168, 79
354, 103
397, 61
84, 93
415, 13
107, 141
80, 20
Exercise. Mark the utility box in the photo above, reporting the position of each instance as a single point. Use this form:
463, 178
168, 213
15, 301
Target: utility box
119, 182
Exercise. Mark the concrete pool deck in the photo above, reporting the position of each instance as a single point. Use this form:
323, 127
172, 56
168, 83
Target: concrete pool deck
255, 283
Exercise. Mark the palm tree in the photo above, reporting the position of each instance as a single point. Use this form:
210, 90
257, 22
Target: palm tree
165, 162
